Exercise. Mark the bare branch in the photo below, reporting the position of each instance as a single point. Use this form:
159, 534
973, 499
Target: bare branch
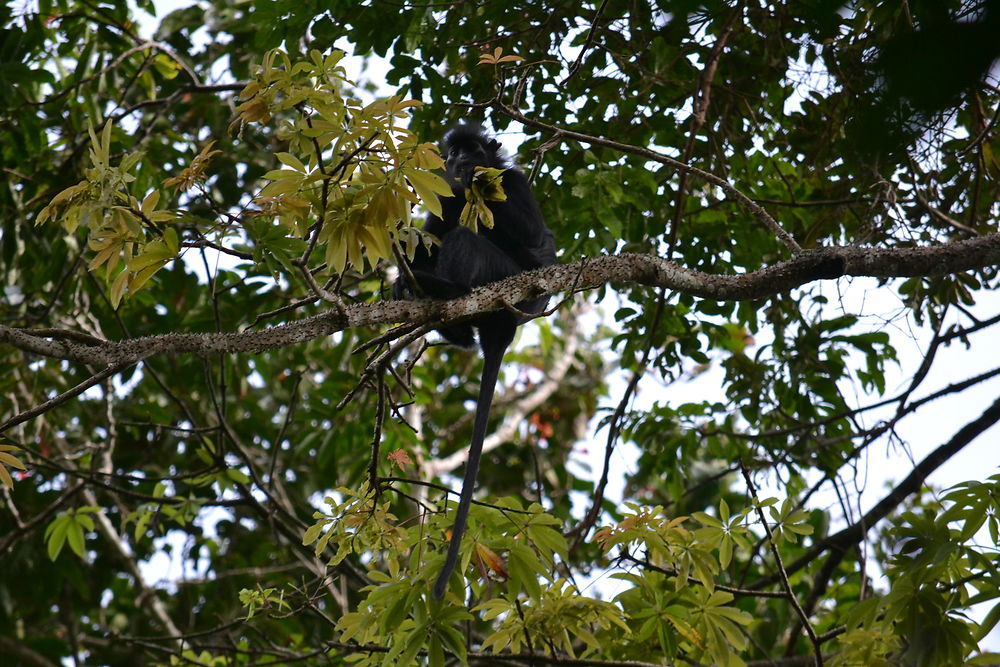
840, 542
63, 397
781, 573
743, 200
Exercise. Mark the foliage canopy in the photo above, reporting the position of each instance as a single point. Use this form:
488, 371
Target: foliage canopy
196, 231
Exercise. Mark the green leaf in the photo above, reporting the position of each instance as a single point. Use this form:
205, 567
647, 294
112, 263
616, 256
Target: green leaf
74, 535
55, 535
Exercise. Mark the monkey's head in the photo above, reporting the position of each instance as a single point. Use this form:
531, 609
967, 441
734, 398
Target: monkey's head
468, 147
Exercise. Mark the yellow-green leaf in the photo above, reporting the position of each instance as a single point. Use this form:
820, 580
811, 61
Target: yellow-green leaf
150, 202
118, 288
282, 186
152, 254
140, 278
290, 160
428, 186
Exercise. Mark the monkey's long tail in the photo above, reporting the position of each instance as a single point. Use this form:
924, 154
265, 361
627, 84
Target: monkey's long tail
492, 359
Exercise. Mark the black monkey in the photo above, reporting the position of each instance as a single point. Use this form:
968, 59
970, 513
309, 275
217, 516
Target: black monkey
519, 241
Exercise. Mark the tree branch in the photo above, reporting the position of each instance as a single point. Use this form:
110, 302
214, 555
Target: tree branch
840, 542
806, 267
782, 574
743, 200
22, 654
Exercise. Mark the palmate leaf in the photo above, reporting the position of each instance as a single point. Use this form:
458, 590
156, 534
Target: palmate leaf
69, 528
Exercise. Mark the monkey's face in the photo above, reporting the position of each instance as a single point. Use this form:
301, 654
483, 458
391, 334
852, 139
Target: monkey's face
462, 161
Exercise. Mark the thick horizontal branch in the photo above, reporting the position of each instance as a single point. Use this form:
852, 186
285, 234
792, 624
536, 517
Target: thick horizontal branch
810, 265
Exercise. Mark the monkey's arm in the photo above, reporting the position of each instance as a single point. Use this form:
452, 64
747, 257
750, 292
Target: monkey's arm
519, 210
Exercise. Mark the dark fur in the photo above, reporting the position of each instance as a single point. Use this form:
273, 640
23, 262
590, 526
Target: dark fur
519, 241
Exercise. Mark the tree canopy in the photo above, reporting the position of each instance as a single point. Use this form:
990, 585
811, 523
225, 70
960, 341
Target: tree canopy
223, 442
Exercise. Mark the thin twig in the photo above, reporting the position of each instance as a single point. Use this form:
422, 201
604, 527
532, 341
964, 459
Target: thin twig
377, 435
65, 396
580, 531
781, 568
586, 46
749, 204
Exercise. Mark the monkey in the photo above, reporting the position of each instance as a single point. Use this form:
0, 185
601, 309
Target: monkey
518, 241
